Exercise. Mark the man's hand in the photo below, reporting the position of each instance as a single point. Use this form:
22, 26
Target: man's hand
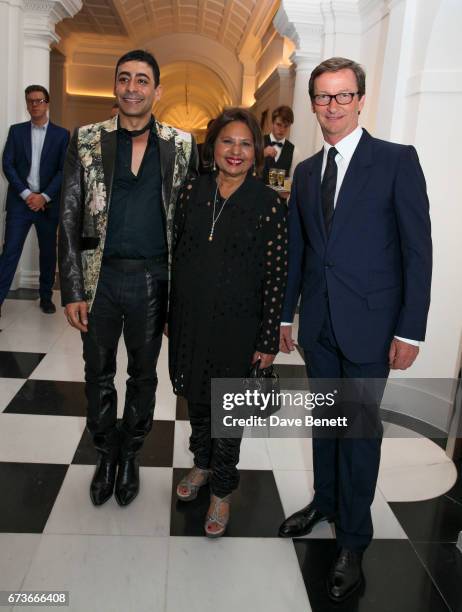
77, 315
286, 342
265, 359
402, 355
269, 151
36, 202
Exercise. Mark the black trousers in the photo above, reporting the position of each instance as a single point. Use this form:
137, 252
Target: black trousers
346, 468
131, 297
221, 455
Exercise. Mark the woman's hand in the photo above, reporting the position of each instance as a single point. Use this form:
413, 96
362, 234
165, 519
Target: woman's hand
265, 359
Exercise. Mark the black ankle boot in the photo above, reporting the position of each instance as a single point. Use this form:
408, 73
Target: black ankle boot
102, 485
128, 480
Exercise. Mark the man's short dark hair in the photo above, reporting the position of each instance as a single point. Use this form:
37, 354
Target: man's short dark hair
40, 88
138, 55
228, 116
334, 64
285, 113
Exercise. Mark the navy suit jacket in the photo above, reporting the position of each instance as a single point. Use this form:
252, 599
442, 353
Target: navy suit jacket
375, 266
17, 157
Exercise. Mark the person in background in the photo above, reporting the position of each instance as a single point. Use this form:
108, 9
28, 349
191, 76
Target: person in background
279, 152
360, 256
33, 161
121, 181
115, 109
204, 168
222, 320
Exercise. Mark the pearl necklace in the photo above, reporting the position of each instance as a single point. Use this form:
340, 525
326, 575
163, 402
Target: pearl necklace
215, 218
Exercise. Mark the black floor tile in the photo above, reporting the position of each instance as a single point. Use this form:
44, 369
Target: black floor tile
49, 397
256, 509
18, 365
456, 492
432, 520
444, 564
181, 409
29, 493
395, 580
157, 450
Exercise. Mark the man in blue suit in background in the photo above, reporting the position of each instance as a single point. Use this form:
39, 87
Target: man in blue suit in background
33, 161
360, 256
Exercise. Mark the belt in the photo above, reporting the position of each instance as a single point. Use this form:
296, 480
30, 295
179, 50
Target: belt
132, 265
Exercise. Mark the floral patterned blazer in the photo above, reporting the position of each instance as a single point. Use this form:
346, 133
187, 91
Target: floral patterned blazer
86, 196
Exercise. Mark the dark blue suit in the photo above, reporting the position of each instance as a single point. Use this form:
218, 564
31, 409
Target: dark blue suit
364, 283
19, 218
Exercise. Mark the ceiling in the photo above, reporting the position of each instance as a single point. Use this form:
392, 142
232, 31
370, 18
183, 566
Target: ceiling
225, 21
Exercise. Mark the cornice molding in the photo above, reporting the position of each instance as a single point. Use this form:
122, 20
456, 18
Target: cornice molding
41, 16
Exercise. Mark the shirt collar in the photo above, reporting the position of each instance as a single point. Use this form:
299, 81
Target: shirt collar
347, 146
39, 127
274, 139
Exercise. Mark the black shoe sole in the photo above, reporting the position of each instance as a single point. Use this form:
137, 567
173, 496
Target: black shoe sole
305, 532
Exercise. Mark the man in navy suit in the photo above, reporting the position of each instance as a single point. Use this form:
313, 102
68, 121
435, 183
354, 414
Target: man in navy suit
360, 256
33, 161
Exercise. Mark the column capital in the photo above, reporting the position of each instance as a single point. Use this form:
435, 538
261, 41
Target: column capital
41, 16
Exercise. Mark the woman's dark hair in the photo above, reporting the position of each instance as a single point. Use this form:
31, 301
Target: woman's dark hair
138, 55
228, 116
39, 88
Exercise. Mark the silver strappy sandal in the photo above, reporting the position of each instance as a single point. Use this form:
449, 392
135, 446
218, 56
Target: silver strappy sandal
192, 482
213, 518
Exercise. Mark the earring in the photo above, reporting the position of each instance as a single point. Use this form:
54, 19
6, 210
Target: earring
254, 172
214, 167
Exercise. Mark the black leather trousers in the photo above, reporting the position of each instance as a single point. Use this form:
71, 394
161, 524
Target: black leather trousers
131, 297
221, 455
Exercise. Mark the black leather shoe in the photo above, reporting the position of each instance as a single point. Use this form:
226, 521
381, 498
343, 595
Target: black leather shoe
47, 306
128, 481
345, 576
302, 522
102, 485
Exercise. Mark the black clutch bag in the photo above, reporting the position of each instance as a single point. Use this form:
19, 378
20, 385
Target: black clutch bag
266, 382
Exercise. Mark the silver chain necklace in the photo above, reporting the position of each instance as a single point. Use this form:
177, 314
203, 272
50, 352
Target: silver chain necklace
215, 218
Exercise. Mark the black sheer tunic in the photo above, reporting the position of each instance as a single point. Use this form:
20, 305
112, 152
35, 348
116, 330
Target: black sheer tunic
226, 295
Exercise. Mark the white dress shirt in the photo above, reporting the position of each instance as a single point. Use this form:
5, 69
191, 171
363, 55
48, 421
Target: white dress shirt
38, 133
295, 157
346, 148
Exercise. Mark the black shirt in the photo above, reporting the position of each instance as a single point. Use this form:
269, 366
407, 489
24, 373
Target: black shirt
136, 224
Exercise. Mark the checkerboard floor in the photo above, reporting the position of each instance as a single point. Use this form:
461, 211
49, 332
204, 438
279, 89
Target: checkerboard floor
152, 556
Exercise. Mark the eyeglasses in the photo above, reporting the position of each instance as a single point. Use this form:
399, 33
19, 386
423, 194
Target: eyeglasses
343, 97
37, 102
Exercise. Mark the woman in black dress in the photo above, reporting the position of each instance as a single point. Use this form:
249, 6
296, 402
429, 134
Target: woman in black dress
228, 282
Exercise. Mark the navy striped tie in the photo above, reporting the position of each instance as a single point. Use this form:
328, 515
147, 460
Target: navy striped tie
328, 185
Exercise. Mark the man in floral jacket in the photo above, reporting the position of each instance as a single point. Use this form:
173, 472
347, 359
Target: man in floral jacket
121, 180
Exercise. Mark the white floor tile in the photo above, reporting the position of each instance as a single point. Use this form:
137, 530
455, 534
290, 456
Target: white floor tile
8, 389
296, 491
31, 438
69, 341
291, 453
14, 310
229, 574
35, 339
102, 573
16, 553
254, 455
182, 457
413, 451
418, 482
148, 514
60, 366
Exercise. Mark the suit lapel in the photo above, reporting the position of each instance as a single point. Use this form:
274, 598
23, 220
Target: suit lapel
46, 143
353, 183
108, 156
28, 141
314, 192
167, 163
